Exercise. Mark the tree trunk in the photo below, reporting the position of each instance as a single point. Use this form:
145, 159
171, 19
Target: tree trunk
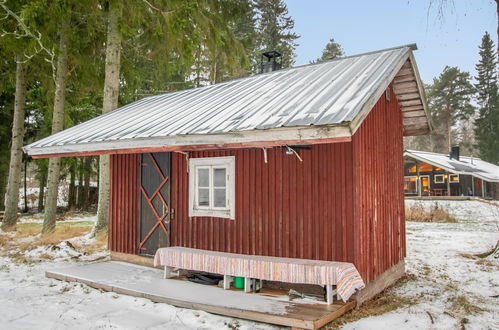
25, 172
57, 124
110, 102
86, 180
79, 197
72, 187
3, 188
11, 205
41, 190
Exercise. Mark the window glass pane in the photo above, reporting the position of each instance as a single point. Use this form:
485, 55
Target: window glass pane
425, 167
219, 198
219, 177
203, 177
203, 197
410, 185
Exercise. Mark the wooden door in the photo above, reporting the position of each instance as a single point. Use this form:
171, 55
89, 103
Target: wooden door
154, 226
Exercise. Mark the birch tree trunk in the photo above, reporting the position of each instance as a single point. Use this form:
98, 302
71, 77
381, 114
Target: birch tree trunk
14, 180
57, 125
110, 102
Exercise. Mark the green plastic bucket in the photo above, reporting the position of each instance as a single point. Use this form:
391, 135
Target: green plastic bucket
239, 282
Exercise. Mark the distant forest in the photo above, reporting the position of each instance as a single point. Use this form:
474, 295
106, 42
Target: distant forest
64, 62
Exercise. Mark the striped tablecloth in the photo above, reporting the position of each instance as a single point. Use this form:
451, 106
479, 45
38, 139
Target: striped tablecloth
342, 274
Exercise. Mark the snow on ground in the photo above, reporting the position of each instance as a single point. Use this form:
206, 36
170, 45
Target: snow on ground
29, 300
76, 217
446, 282
32, 196
449, 283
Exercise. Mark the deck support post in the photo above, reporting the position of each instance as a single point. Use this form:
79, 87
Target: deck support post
247, 284
448, 184
330, 294
227, 281
419, 179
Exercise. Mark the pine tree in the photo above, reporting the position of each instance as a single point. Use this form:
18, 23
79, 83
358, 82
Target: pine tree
165, 35
10, 217
57, 125
487, 123
275, 31
331, 51
449, 99
16, 37
110, 102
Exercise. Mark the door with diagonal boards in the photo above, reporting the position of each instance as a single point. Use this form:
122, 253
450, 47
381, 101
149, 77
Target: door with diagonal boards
154, 231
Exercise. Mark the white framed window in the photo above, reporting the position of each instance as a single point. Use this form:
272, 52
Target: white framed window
439, 178
212, 187
411, 185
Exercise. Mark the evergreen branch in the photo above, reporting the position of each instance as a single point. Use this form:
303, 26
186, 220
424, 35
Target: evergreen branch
28, 33
163, 12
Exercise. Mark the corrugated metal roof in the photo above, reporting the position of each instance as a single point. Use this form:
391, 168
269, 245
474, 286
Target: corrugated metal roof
465, 165
327, 93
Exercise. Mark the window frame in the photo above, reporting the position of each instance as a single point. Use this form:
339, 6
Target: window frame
439, 181
454, 175
413, 192
212, 163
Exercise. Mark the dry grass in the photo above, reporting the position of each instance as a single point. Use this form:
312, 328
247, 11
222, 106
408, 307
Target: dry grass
27, 237
462, 306
381, 304
436, 213
467, 255
98, 244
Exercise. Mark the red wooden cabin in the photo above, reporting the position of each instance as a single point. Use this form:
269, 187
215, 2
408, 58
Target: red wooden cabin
305, 162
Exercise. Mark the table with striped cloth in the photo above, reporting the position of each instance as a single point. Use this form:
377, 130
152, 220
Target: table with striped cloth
305, 271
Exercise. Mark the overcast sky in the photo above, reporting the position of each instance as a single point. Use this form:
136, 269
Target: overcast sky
362, 26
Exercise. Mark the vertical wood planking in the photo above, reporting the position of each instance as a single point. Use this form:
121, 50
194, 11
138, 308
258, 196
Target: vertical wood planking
278, 204
344, 202
123, 203
378, 190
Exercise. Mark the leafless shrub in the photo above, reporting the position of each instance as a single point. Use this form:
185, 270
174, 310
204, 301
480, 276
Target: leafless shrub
418, 213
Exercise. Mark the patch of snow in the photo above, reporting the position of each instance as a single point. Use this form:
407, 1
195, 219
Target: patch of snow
38, 218
33, 192
440, 255
29, 300
61, 252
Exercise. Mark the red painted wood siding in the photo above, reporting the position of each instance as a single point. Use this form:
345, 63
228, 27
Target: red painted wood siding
379, 220
284, 208
123, 203
344, 202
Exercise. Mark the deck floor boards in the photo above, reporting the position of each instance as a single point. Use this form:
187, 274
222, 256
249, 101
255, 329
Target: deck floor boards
146, 282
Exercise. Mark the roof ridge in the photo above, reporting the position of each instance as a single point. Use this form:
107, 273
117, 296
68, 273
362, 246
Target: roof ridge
447, 155
412, 46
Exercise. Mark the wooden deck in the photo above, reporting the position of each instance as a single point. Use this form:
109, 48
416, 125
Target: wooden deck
139, 281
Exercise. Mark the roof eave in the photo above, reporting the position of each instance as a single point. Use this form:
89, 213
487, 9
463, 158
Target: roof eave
424, 127
422, 93
425, 160
244, 139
